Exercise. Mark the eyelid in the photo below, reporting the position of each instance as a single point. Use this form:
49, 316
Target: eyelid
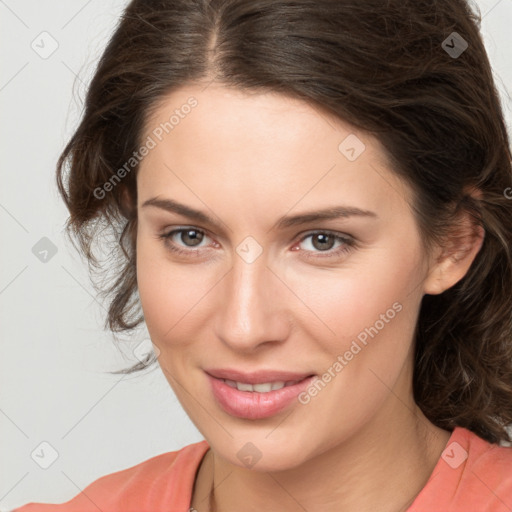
167, 234
348, 242
305, 234
299, 238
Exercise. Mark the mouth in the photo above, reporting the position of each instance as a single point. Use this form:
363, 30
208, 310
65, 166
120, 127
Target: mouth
257, 376
256, 395
263, 387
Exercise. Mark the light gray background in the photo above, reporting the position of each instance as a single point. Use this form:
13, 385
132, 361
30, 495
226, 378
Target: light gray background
54, 351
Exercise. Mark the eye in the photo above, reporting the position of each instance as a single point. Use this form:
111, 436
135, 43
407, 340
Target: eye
323, 244
190, 237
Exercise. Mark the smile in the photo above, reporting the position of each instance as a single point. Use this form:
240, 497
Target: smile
259, 388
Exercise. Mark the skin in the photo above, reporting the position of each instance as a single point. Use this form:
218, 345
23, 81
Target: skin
361, 444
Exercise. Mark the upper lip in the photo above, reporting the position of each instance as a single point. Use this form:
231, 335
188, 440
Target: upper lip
256, 377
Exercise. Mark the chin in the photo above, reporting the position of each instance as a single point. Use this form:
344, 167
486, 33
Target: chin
256, 453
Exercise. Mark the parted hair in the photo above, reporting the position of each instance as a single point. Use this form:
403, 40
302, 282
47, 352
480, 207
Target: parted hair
413, 73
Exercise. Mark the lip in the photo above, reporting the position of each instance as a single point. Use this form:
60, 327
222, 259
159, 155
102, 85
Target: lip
251, 404
256, 377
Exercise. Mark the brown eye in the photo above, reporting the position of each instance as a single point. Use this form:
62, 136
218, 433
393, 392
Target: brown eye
184, 240
323, 241
191, 237
326, 244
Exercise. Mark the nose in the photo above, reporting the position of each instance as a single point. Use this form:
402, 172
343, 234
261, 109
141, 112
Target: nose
252, 307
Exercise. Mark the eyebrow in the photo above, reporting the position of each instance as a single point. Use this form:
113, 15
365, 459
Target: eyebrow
286, 221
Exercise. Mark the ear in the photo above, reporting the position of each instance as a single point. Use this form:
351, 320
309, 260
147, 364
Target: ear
128, 208
126, 202
452, 261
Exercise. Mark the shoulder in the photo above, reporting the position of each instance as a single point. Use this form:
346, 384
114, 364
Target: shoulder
152, 485
489, 469
472, 475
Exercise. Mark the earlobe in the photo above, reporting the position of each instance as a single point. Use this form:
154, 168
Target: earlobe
453, 262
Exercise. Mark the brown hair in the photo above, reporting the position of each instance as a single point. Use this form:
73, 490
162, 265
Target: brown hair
386, 67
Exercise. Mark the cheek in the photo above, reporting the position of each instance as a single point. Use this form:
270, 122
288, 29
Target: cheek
373, 316
365, 296
157, 291
172, 296
357, 302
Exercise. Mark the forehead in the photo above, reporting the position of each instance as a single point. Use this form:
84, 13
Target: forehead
274, 149
247, 119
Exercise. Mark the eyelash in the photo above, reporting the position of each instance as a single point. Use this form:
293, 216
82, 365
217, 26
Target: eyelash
348, 243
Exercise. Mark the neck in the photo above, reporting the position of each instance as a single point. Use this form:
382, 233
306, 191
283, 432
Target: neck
381, 467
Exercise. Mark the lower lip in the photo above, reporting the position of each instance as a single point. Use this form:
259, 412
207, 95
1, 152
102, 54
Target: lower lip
252, 405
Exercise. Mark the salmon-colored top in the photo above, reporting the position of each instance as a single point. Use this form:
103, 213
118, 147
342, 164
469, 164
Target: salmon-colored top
471, 475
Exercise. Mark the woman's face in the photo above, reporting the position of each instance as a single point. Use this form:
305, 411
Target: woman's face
254, 289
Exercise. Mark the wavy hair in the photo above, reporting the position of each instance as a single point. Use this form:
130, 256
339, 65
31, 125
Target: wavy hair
398, 69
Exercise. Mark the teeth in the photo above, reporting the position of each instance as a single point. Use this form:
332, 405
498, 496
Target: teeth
231, 383
244, 387
259, 388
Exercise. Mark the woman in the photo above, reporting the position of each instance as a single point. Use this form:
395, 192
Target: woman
312, 202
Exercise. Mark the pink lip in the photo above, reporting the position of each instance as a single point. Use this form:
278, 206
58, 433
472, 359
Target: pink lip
256, 377
251, 404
